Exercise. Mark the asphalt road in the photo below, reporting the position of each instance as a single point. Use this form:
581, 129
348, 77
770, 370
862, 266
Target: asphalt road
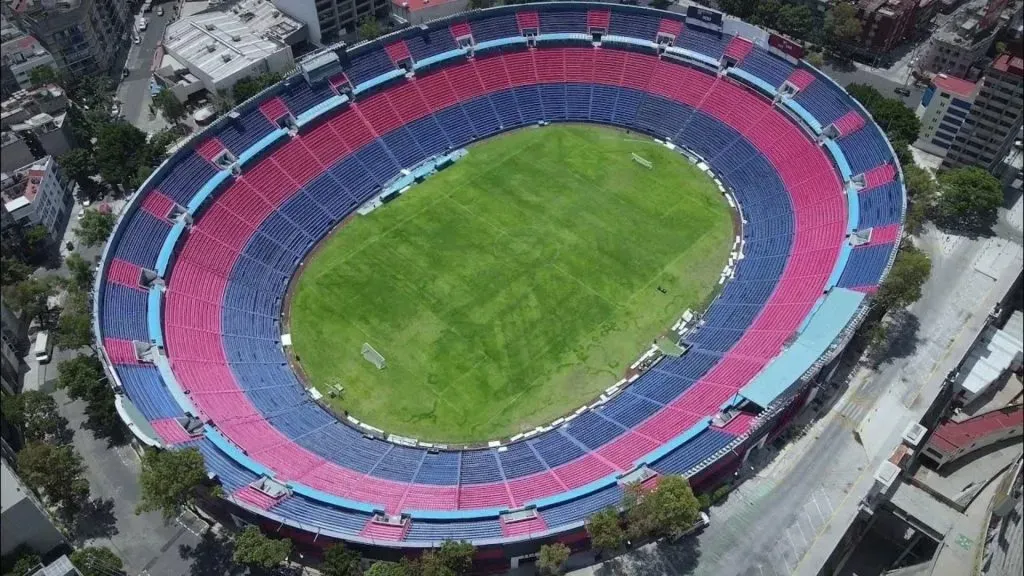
133, 92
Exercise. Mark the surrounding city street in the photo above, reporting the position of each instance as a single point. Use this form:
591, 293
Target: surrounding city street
134, 91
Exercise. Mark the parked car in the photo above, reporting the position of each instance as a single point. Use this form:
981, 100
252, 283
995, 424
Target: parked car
160, 11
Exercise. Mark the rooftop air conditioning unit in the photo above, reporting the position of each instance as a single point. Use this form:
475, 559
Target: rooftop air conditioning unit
211, 47
236, 38
225, 57
211, 27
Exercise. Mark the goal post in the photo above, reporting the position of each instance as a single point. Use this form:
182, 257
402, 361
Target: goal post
642, 161
374, 357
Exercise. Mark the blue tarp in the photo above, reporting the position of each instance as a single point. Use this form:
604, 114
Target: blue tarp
804, 115
320, 109
831, 318
264, 143
163, 260
207, 190
153, 312
754, 81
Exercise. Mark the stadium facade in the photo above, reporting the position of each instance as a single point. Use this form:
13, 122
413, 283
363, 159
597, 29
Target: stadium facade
190, 291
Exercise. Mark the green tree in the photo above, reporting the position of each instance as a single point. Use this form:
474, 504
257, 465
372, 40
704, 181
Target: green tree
120, 151
254, 549
80, 377
369, 28
451, 559
80, 166
739, 8
20, 562
909, 272
81, 273
169, 480
899, 121
30, 297
97, 561
797, 20
56, 473
766, 13
37, 244
248, 87
605, 530
169, 105
43, 75
12, 270
35, 413
552, 558
816, 59
668, 510
921, 191
95, 227
160, 142
340, 561
660, 4
389, 569
968, 199
841, 24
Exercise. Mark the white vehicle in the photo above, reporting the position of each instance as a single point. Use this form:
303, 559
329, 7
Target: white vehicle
160, 11
142, 25
147, 6
42, 348
703, 522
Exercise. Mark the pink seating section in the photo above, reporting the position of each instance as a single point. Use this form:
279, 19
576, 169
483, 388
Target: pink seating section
170, 431
599, 19
377, 531
534, 525
879, 175
738, 48
124, 273
739, 424
157, 204
460, 30
527, 20
397, 51
212, 148
197, 286
254, 498
274, 109
671, 27
120, 351
800, 78
885, 234
849, 123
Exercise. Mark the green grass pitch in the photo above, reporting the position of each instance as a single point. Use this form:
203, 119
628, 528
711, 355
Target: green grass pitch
513, 287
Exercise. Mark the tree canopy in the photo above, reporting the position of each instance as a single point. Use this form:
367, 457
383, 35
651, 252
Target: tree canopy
451, 559
797, 20
670, 509
81, 272
369, 28
253, 548
169, 479
340, 561
80, 166
921, 192
43, 75
605, 530
35, 413
95, 227
56, 472
897, 120
79, 376
248, 87
552, 558
169, 105
97, 561
30, 297
909, 272
841, 23
968, 199
389, 569
121, 150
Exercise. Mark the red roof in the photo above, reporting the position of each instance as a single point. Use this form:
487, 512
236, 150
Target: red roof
954, 85
1011, 64
951, 436
416, 5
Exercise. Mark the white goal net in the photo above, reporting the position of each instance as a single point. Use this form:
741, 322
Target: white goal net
642, 161
374, 357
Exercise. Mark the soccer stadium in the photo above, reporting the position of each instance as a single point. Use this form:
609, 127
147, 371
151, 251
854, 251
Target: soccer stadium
469, 280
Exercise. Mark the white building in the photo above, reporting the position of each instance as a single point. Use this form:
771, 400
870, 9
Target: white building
20, 54
943, 109
215, 49
332, 20
39, 194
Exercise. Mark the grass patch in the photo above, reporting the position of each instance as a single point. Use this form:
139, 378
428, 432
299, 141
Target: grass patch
513, 287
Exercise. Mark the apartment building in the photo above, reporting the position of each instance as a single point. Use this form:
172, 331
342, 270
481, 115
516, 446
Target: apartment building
994, 122
39, 194
83, 36
333, 20
943, 108
32, 126
20, 54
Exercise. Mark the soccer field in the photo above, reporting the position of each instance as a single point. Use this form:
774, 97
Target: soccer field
513, 287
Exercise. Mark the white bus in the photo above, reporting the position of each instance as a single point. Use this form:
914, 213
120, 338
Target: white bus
42, 349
